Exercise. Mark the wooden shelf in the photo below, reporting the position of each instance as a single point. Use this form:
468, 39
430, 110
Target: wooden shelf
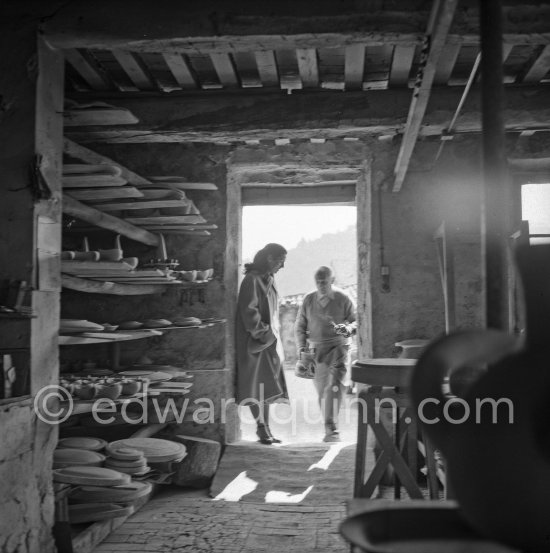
82, 339
113, 288
108, 287
17, 316
77, 209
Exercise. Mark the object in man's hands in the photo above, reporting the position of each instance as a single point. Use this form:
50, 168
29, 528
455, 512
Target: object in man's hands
343, 329
305, 366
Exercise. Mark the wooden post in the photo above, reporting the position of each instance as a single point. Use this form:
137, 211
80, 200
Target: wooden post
231, 281
496, 181
364, 265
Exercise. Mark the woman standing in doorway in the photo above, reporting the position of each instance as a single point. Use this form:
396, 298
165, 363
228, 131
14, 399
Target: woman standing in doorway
260, 355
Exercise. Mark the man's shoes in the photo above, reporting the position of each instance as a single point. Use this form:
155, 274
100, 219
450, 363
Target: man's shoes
332, 436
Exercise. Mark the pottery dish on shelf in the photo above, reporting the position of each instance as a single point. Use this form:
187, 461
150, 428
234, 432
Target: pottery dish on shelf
130, 325
155, 450
68, 457
188, 321
83, 442
156, 323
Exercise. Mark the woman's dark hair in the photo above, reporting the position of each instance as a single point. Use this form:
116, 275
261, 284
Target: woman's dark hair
260, 262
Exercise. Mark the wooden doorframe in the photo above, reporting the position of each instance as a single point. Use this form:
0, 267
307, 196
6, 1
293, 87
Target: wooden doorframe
233, 273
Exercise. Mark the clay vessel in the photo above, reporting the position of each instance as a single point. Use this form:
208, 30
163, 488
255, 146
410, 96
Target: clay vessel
497, 458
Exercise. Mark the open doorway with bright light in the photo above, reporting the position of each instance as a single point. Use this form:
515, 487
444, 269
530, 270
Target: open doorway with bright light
314, 236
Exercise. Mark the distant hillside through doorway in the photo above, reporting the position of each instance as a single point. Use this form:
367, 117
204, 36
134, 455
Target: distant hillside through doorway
337, 250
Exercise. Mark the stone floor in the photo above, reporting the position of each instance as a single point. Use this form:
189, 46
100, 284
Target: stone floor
180, 521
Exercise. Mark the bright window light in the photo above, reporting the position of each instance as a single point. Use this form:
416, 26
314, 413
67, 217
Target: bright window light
535, 208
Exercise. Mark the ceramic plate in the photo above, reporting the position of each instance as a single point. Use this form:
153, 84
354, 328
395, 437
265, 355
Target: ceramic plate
154, 449
91, 476
153, 376
78, 442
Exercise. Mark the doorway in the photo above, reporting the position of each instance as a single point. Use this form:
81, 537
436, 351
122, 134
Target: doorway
314, 235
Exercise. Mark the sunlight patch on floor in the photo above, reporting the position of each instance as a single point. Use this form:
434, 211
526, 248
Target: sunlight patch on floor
329, 456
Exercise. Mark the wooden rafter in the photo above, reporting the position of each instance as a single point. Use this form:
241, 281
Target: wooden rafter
181, 71
354, 66
267, 68
442, 18
446, 63
86, 69
89, 214
76, 151
225, 69
539, 68
401, 65
133, 69
307, 65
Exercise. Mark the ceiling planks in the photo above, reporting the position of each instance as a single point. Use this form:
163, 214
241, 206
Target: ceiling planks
437, 36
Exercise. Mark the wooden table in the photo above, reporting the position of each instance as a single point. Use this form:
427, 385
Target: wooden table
387, 381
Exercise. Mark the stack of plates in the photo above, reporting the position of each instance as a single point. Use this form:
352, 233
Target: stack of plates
128, 460
155, 450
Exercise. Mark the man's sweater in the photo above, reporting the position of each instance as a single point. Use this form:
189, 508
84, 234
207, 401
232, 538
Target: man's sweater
316, 315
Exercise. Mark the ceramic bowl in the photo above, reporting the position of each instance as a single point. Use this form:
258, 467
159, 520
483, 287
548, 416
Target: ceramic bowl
84, 390
190, 276
130, 387
108, 390
110, 255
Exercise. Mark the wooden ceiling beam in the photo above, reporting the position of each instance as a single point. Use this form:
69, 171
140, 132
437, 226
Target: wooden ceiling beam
177, 118
437, 36
209, 26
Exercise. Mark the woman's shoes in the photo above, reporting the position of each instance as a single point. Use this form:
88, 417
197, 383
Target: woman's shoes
265, 436
263, 433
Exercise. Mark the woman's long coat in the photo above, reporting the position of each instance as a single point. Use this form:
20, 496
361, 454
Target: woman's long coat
260, 353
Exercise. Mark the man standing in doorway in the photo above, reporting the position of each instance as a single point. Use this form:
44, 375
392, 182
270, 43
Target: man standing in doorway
326, 321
